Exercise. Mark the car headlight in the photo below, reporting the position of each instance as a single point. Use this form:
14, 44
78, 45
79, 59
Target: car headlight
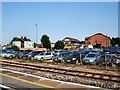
59, 58
73, 58
91, 60
29, 55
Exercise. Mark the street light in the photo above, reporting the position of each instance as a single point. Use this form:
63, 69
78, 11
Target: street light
36, 32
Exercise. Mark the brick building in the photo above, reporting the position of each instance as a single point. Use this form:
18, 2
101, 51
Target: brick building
98, 38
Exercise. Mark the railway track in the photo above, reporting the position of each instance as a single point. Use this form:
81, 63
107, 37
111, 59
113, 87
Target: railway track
84, 74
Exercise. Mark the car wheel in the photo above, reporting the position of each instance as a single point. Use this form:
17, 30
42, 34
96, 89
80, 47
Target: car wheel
10, 57
32, 58
62, 61
41, 58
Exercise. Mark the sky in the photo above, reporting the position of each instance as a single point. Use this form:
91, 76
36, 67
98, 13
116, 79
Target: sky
0, 23
58, 19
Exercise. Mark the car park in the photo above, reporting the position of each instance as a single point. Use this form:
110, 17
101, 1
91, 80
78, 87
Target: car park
87, 56
92, 58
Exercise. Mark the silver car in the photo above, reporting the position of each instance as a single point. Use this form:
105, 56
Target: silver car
92, 58
43, 55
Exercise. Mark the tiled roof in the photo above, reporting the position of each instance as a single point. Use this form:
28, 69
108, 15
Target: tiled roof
97, 34
72, 39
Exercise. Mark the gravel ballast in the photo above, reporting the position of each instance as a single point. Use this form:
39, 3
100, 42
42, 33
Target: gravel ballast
62, 77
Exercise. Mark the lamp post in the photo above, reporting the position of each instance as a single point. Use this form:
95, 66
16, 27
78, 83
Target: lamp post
36, 34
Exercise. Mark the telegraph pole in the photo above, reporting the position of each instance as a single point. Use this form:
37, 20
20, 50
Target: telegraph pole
36, 33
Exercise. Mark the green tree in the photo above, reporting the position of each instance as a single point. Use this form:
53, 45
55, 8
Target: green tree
82, 42
97, 45
59, 45
46, 42
15, 48
115, 41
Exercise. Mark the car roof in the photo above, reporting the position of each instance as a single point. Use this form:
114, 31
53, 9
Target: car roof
93, 53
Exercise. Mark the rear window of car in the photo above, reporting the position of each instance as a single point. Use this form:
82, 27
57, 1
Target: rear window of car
48, 53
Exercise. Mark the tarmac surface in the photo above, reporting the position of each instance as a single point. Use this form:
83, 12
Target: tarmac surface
21, 81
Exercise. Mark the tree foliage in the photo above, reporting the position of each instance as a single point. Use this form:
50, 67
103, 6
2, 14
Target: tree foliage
115, 41
82, 42
97, 45
59, 45
13, 40
15, 48
46, 42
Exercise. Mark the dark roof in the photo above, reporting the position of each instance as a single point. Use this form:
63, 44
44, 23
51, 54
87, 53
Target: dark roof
22, 39
72, 39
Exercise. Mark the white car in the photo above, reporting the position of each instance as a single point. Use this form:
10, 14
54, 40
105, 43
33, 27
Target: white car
57, 52
44, 55
3, 54
8, 55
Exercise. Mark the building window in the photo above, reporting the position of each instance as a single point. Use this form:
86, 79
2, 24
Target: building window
96, 41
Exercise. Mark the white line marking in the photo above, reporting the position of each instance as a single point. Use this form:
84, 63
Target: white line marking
3, 86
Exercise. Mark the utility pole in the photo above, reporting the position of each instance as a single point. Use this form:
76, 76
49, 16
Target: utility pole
36, 34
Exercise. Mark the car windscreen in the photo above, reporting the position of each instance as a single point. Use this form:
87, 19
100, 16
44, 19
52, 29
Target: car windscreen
117, 52
48, 53
41, 54
57, 51
91, 55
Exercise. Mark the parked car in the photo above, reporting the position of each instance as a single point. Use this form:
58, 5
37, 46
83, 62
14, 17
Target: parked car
86, 51
3, 54
9, 54
57, 52
31, 54
22, 54
60, 57
73, 58
17, 53
109, 59
92, 58
117, 55
44, 55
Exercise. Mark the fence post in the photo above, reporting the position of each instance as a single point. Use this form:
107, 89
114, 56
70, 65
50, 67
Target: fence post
80, 58
105, 60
